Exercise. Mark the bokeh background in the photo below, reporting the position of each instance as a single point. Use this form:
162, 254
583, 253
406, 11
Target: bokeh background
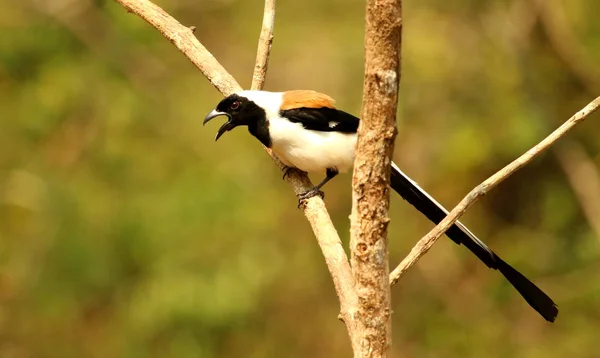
126, 231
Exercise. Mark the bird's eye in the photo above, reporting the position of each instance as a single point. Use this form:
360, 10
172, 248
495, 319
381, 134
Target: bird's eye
234, 105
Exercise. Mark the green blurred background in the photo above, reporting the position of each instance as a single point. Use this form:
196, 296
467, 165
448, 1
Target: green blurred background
126, 231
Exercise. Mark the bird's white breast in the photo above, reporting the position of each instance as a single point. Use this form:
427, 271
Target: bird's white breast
309, 150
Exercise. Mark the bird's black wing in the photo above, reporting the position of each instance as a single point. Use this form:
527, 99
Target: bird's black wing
434, 211
322, 119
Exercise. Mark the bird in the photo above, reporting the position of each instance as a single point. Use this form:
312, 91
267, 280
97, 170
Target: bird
307, 132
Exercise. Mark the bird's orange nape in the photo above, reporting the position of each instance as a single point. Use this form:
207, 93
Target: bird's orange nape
306, 99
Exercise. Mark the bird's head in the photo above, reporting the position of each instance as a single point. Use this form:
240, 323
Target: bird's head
240, 111
254, 108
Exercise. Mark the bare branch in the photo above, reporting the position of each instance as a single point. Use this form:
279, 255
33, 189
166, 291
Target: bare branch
584, 177
482, 189
264, 46
314, 209
370, 199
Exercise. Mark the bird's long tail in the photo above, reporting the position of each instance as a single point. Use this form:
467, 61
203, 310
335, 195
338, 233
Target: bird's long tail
434, 211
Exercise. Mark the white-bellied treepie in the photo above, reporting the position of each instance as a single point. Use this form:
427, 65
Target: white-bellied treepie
307, 132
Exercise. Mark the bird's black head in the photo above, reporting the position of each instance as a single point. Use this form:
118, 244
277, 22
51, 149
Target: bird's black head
239, 110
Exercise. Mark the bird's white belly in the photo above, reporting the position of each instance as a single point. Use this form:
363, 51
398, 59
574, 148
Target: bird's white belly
311, 151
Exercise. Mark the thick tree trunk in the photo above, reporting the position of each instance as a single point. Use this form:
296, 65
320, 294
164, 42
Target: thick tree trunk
370, 202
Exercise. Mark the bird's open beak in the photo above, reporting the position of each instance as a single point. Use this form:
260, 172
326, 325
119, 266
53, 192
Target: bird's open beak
229, 125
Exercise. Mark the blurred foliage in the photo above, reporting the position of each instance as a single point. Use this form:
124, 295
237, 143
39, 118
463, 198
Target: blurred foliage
125, 231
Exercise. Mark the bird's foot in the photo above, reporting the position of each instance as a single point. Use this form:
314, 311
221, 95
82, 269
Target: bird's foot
286, 171
303, 197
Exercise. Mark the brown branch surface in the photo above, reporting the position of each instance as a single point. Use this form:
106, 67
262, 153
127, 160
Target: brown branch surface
482, 189
264, 46
314, 208
370, 199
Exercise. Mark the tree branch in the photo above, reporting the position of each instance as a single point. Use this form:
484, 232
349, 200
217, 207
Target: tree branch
371, 179
314, 209
428, 240
264, 46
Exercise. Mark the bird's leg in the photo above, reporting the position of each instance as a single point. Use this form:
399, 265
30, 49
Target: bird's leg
330, 174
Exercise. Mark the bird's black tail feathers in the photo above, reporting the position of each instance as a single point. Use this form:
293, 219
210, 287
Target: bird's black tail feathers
434, 211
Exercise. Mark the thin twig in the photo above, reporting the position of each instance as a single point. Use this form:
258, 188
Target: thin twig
314, 209
264, 46
584, 177
482, 189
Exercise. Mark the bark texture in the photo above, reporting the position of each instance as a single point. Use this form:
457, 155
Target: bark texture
370, 200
